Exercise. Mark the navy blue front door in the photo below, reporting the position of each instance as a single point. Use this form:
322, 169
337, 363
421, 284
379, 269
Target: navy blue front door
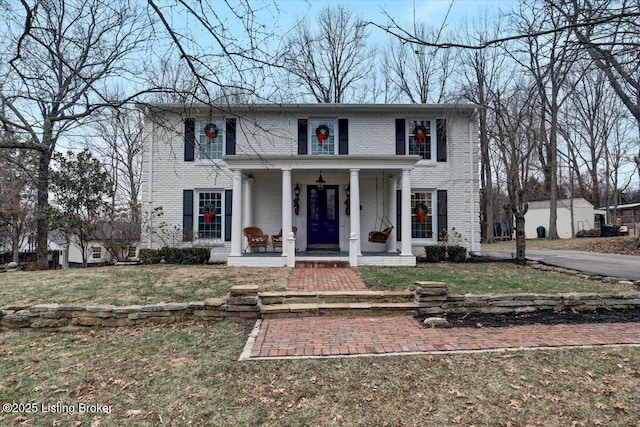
322, 218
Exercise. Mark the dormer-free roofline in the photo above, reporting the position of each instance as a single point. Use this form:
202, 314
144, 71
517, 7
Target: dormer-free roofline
317, 108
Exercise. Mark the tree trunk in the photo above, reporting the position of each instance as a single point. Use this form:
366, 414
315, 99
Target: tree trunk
520, 238
16, 245
487, 180
42, 222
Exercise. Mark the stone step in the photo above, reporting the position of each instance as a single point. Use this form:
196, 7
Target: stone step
322, 264
327, 297
337, 309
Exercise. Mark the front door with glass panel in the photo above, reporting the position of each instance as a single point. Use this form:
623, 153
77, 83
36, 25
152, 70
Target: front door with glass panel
323, 231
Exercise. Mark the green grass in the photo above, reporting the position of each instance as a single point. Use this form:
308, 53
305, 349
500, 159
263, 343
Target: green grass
126, 285
189, 375
482, 278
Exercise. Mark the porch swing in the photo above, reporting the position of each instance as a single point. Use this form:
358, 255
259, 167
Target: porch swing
380, 234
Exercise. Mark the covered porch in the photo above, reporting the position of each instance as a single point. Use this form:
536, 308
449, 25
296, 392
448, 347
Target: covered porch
333, 202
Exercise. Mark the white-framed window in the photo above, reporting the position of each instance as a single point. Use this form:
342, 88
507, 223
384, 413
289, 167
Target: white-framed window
422, 137
209, 208
210, 148
131, 252
323, 136
423, 208
96, 252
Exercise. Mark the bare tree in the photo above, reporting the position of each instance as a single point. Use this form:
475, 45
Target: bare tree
422, 73
515, 134
609, 30
61, 56
587, 127
329, 58
549, 59
119, 144
484, 74
17, 197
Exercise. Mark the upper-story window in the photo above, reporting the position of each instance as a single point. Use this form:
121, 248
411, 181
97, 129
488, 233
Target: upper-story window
422, 137
323, 136
210, 148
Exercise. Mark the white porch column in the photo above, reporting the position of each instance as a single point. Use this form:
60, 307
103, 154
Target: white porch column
392, 214
248, 203
236, 209
406, 213
287, 203
354, 187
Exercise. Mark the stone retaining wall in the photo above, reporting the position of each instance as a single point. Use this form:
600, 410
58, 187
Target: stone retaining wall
245, 302
242, 302
433, 298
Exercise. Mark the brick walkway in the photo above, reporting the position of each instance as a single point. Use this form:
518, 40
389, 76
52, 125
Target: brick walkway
342, 336
325, 279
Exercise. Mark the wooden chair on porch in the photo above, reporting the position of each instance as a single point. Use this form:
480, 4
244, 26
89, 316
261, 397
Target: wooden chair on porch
276, 239
255, 238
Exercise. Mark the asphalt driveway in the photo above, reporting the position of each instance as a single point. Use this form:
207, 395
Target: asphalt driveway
609, 265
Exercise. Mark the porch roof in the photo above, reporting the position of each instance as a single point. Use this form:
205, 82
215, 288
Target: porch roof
334, 162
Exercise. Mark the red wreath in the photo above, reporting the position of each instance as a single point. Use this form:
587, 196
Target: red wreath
208, 216
421, 213
421, 134
296, 205
211, 131
322, 132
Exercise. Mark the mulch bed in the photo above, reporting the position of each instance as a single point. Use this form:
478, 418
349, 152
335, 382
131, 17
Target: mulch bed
544, 317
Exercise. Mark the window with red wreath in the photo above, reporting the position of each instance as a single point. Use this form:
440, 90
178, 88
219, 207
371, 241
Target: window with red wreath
422, 137
323, 136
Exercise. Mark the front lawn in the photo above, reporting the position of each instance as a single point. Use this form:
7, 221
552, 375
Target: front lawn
484, 278
189, 375
126, 285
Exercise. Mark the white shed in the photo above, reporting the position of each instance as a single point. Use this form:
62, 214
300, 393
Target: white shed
585, 217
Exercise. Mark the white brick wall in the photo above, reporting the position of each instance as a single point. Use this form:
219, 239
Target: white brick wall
277, 134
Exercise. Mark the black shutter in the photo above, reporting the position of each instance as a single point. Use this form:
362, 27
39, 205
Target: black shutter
401, 137
343, 136
441, 141
230, 148
442, 212
228, 210
187, 215
303, 132
189, 139
398, 215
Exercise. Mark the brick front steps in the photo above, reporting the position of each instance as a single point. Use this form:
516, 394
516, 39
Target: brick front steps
322, 264
336, 303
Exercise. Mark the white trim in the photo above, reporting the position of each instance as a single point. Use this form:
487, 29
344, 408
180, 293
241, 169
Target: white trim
308, 162
472, 190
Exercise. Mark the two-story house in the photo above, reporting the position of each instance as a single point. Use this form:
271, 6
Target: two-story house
333, 173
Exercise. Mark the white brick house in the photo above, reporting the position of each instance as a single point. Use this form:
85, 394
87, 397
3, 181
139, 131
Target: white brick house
389, 160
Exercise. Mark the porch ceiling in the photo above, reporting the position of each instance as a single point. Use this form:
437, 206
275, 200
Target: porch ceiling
306, 162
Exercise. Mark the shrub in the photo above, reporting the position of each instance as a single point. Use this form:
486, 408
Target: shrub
457, 253
434, 253
149, 256
174, 255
